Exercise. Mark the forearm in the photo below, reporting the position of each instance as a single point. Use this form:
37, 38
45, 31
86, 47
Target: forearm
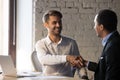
52, 59
47, 58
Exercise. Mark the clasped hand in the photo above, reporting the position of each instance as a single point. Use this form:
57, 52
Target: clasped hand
76, 61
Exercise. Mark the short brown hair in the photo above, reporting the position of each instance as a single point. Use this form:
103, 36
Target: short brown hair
49, 13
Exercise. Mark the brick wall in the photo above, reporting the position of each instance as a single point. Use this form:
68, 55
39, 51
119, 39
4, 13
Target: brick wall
78, 22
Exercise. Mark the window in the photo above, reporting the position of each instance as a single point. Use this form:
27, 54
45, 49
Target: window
16, 32
24, 35
4, 26
8, 28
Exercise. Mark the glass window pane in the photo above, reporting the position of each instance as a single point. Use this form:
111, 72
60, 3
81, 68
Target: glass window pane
4, 22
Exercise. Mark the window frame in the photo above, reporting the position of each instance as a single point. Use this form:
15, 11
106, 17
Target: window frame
12, 30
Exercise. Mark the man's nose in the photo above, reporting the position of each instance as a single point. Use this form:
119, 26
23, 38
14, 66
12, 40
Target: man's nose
58, 24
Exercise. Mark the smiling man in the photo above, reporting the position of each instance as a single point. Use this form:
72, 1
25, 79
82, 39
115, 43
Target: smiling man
57, 53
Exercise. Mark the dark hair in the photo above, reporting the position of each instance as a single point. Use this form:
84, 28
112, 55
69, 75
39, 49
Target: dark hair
108, 19
49, 13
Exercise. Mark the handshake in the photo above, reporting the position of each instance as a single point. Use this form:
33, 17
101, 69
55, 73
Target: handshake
76, 61
79, 63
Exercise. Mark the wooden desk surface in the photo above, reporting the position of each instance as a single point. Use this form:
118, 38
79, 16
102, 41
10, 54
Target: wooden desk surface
38, 78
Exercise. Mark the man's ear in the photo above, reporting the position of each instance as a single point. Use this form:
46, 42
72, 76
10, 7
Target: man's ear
45, 24
101, 27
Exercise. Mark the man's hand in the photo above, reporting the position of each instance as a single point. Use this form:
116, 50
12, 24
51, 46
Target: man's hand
85, 62
80, 63
75, 61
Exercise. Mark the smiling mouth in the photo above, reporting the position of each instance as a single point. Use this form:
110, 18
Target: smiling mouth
58, 29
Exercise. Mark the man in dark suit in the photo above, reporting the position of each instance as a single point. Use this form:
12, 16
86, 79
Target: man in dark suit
108, 67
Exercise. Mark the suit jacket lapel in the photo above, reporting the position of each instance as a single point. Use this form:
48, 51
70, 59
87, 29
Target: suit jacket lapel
107, 45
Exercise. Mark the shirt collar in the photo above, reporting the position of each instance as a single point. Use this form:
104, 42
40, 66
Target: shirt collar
105, 39
50, 42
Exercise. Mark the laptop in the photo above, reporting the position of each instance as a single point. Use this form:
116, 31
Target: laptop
8, 68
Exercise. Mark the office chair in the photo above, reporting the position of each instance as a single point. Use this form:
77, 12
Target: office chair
37, 65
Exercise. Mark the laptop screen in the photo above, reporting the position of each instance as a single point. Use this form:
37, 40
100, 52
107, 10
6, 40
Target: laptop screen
7, 65
8, 68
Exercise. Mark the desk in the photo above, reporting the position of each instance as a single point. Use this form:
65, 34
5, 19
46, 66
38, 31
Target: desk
38, 78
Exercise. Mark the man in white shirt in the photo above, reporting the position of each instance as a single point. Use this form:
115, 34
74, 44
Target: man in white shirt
57, 53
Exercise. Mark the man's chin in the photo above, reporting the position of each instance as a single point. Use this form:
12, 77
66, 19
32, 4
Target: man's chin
57, 33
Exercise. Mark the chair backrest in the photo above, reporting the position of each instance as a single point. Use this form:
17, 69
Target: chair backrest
37, 65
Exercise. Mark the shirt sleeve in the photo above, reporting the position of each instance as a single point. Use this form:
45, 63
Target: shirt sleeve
47, 59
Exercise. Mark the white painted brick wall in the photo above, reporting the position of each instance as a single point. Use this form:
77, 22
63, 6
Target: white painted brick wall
105, 0
104, 5
69, 4
61, 4
78, 22
90, 5
52, 4
70, 10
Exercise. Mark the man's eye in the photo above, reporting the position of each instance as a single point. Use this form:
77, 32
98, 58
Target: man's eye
54, 22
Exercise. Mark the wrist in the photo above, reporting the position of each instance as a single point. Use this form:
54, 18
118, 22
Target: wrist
85, 62
67, 58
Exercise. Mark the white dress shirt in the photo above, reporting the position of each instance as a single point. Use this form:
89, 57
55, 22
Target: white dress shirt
52, 56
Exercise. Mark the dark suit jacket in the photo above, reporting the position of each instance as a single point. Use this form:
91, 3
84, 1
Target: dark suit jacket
108, 67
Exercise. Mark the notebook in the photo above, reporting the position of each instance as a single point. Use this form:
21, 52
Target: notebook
8, 68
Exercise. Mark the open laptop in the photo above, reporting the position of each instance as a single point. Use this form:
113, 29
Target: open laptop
8, 68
